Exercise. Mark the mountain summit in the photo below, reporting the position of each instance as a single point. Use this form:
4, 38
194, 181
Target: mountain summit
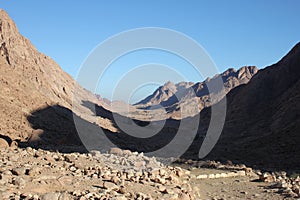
193, 97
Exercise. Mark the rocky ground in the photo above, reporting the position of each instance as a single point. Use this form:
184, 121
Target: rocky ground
38, 174
120, 174
228, 181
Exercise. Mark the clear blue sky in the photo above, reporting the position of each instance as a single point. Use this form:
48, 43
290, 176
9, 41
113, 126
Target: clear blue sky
234, 33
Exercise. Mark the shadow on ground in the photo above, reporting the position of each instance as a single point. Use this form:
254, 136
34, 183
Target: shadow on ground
56, 131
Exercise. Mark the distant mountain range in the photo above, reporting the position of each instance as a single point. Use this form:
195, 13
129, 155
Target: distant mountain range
187, 99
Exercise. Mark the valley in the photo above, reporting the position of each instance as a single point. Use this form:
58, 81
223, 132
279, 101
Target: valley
58, 145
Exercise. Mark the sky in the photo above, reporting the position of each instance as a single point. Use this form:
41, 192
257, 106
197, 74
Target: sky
234, 33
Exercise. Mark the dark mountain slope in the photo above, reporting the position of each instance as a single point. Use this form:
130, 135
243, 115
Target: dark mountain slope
263, 122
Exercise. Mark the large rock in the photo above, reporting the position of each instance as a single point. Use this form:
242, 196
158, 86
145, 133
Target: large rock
3, 143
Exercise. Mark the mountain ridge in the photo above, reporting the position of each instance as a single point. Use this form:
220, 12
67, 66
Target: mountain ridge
261, 126
175, 97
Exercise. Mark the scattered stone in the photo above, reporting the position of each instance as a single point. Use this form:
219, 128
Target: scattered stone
139, 164
202, 176
70, 158
100, 175
18, 171
248, 170
110, 186
183, 196
19, 181
51, 196
64, 196
267, 177
34, 171
116, 151
95, 153
162, 188
127, 152
3, 143
14, 145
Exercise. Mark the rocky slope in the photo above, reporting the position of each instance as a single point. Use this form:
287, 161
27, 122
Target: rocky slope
36, 101
190, 97
262, 122
34, 86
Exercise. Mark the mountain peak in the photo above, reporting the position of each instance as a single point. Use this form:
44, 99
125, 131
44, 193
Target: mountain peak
14, 48
169, 83
7, 26
3, 13
30, 80
246, 71
195, 96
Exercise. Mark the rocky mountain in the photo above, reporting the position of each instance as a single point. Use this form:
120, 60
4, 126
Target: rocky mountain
40, 105
163, 94
193, 97
263, 123
36, 95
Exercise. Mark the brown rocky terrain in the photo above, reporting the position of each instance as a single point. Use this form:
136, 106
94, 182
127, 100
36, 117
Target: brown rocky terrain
186, 99
44, 175
37, 129
34, 86
118, 175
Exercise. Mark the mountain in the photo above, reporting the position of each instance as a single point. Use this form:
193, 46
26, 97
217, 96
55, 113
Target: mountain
193, 97
38, 105
164, 94
263, 122
36, 95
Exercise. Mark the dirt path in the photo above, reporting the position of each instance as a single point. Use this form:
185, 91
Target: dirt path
240, 187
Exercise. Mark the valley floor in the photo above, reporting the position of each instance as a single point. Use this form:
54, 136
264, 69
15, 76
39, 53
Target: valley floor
38, 174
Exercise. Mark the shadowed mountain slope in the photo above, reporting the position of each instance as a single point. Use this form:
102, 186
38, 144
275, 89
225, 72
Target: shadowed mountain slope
263, 123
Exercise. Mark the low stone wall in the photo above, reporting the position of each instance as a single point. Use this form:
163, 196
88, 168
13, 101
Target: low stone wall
222, 175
